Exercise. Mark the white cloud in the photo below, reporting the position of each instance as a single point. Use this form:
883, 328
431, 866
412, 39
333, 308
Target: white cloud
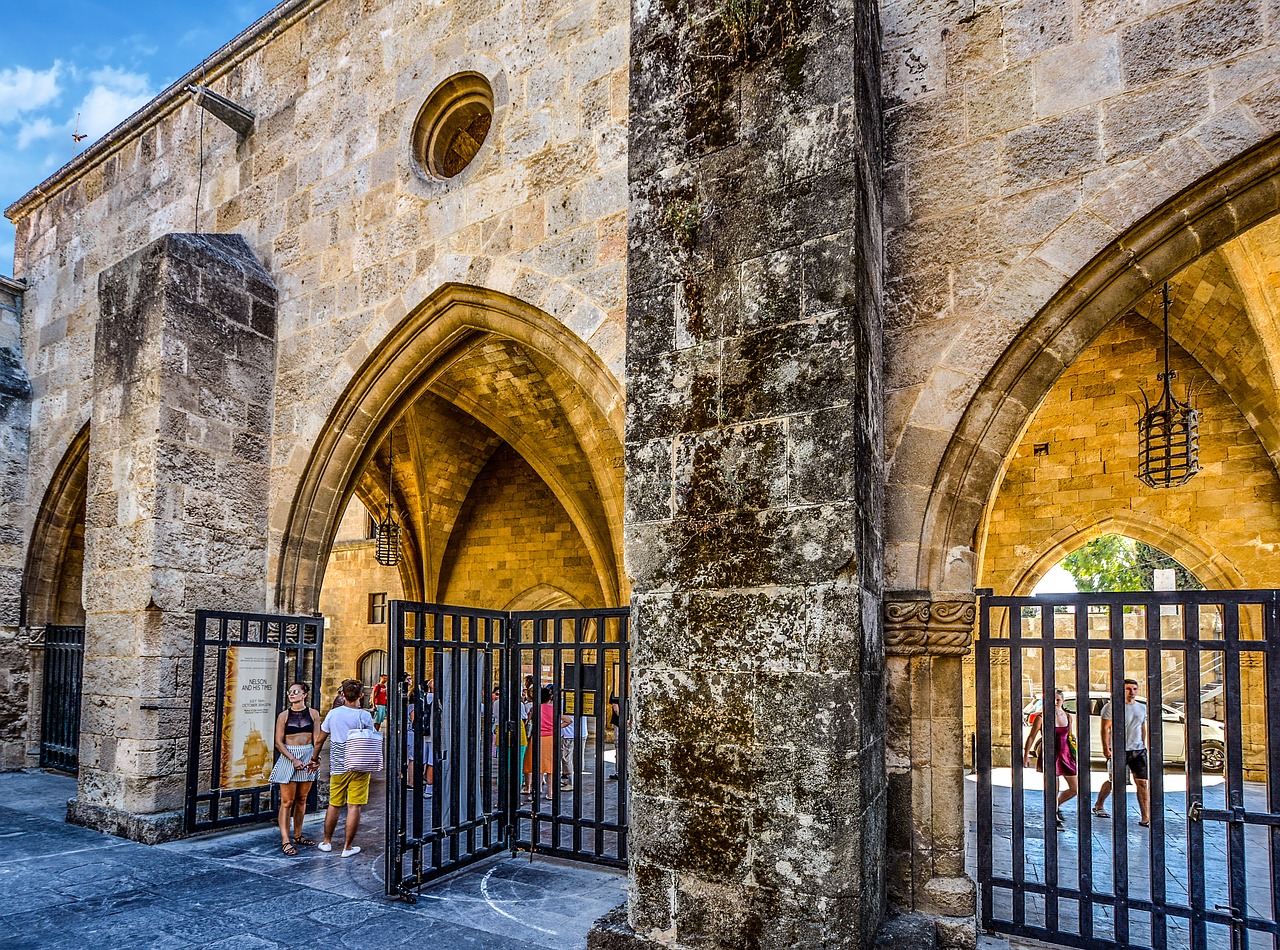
36, 130
23, 89
116, 96
121, 80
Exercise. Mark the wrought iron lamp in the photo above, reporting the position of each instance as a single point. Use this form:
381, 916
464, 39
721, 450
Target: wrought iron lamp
387, 534
1168, 431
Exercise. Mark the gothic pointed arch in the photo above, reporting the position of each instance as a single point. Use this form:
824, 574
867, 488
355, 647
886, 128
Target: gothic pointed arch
54, 567
1210, 566
510, 372
1218, 208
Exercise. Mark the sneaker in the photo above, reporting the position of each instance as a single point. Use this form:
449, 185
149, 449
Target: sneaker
566, 784
348, 852
1062, 825
613, 778
325, 846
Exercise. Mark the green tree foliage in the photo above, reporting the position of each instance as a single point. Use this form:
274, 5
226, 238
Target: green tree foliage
1115, 563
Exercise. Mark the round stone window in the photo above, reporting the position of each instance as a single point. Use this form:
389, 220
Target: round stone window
453, 124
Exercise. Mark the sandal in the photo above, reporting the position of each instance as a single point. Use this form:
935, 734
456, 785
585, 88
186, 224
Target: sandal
1101, 812
1144, 824
289, 849
302, 840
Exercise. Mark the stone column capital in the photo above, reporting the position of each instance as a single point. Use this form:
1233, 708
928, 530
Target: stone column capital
920, 623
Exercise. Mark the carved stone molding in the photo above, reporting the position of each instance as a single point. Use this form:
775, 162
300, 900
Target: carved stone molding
917, 625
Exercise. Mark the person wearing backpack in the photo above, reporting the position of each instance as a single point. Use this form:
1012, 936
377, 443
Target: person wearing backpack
345, 787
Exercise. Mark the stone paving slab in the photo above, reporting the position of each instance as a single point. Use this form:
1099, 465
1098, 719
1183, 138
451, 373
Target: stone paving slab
62, 886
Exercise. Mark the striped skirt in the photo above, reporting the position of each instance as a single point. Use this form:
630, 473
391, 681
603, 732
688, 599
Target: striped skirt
285, 771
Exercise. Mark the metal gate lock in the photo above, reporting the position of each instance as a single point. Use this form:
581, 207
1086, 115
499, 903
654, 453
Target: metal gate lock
1194, 811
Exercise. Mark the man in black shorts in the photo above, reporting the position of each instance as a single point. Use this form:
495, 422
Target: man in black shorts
1135, 754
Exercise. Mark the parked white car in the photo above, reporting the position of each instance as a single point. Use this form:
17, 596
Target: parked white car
1213, 735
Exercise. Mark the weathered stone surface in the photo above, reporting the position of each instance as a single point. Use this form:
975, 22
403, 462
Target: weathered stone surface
754, 528
908, 932
148, 829
174, 523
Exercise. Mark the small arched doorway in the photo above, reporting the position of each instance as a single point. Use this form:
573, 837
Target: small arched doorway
53, 609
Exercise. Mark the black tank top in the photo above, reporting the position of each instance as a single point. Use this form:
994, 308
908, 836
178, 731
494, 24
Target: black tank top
299, 722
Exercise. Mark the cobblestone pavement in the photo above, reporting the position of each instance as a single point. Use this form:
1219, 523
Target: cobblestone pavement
1139, 865
64, 886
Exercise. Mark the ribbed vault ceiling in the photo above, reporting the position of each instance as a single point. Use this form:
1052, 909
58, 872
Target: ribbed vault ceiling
496, 392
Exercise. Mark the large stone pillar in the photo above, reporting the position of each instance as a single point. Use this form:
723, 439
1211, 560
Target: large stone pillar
926, 639
754, 473
15, 416
184, 363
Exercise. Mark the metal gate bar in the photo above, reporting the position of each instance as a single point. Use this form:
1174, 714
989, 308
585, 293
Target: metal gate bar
433, 829
473, 808
209, 806
60, 700
1066, 898
547, 823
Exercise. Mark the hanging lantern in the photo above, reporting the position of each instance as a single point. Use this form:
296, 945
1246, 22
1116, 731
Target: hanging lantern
1169, 430
387, 533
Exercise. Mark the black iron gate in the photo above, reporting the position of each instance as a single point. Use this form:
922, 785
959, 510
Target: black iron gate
230, 745
1205, 872
60, 706
465, 739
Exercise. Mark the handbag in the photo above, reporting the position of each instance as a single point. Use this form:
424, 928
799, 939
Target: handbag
362, 752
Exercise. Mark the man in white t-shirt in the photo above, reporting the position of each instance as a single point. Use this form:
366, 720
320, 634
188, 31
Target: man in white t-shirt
345, 788
1133, 754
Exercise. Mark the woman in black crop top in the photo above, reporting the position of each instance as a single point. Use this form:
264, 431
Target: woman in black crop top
295, 770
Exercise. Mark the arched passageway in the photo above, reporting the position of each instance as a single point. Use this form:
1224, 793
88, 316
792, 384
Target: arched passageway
992, 516
53, 609
495, 434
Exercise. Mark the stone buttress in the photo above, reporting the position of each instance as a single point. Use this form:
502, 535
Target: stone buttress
184, 364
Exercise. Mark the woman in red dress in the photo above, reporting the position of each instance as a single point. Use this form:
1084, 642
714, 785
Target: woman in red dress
1064, 752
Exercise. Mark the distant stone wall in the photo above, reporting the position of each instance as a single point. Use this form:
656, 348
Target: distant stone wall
352, 575
1220, 524
512, 535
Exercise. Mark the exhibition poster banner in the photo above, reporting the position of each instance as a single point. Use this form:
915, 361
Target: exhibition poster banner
249, 716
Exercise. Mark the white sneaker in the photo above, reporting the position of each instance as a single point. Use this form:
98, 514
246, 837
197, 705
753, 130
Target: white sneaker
325, 846
350, 851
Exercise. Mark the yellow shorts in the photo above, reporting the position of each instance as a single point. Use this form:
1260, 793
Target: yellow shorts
349, 788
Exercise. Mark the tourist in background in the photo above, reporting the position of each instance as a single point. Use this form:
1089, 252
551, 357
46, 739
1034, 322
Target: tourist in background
1062, 743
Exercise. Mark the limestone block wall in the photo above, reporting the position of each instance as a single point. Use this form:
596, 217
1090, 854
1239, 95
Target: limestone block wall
326, 193
513, 535
176, 512
1219, 525
1022, 139
15, 648
352, 575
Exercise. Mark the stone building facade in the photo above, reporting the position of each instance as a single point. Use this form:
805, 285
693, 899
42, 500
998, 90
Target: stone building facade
743, 315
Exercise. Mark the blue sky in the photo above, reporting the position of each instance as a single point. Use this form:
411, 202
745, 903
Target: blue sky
79, 64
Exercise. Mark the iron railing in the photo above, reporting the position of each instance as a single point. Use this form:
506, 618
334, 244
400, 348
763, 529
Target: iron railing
1206, 873
60, 705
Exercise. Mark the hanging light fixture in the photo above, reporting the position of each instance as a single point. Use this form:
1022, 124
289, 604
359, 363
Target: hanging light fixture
387, 534
1169, 431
